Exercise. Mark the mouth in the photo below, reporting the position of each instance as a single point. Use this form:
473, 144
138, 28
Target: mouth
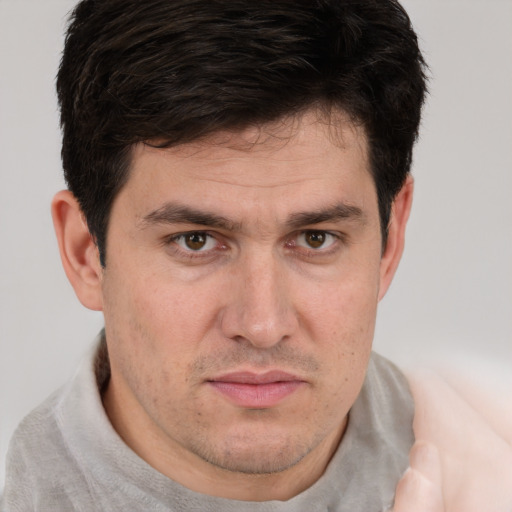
256, 391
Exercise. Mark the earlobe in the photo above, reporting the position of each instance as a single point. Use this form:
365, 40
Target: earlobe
396, 235
78, 251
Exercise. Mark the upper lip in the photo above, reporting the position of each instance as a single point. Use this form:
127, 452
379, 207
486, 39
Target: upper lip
257, 378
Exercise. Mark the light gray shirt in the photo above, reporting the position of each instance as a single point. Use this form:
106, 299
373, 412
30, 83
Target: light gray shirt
66, 456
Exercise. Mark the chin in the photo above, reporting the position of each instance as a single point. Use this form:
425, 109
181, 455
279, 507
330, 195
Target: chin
269, 455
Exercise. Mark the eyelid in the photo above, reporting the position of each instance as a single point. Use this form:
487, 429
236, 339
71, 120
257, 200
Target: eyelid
338, 240
174, 236
325, 245
290, 244
189, 254
183, 236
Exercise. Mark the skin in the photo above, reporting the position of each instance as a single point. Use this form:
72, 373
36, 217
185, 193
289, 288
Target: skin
474, 445
420, 488
289, 279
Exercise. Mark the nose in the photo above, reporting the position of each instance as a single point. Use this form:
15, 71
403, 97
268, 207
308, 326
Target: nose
260, 308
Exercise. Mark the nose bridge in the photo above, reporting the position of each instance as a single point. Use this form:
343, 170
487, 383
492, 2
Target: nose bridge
262, 310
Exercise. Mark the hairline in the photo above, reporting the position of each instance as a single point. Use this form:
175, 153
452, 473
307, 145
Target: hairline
335, 119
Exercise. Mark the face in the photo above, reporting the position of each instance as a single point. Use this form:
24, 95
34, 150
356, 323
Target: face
240, 294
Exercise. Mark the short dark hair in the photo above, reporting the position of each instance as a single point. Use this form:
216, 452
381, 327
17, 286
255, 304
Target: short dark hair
175, 71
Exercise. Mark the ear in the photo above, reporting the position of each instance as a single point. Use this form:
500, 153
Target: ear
78, 251
396, 235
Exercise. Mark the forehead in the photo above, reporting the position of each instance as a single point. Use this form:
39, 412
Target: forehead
301, 159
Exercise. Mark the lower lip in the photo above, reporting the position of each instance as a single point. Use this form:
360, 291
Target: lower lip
256, 396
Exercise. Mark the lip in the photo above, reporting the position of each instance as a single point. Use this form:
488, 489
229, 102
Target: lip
256, 391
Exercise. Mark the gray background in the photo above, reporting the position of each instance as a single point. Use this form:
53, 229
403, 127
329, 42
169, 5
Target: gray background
451, 302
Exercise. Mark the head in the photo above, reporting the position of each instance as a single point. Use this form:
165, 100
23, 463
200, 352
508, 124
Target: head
171, 72
237, 207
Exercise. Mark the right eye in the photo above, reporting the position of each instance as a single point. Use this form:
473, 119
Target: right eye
195, 241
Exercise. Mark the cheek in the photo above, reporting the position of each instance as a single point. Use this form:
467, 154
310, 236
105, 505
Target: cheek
163, 321
344, 310
151, 340
342, 323
176, 313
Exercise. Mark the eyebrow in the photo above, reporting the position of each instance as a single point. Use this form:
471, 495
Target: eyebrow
175, 213
341, 211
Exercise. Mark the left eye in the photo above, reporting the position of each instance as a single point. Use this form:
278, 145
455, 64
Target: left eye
315, 239
195, 241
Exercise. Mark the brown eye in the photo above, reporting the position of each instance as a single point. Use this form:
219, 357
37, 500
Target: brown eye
195, 241
315, 239
318, 240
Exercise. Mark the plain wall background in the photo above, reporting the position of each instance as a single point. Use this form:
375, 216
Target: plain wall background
452, 298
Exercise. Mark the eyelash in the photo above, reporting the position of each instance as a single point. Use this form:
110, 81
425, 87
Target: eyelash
290, 244
171, 242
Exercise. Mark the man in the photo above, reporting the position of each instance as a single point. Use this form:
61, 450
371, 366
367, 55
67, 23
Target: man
238, 193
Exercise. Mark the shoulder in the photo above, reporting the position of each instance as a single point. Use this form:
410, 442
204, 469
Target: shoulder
36, 438
39, 468
383, 371
384, 410
42, 471
387, 385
